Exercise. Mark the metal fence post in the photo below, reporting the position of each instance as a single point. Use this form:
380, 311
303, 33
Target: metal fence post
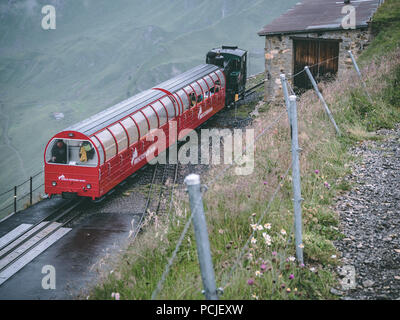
296, 181
285, 93
30, 190
322, 99
200, 229
15, 199
287, 102
359, 74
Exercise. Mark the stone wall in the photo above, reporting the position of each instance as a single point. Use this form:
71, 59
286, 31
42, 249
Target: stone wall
279, 55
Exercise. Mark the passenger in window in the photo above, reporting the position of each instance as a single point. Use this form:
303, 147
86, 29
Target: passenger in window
200, 98
86, 151
192, 99
217, 85
59, 152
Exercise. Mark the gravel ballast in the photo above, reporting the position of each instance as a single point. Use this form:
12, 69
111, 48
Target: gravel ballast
370, 221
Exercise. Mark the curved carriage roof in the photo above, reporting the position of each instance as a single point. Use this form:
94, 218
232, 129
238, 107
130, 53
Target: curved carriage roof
115, 113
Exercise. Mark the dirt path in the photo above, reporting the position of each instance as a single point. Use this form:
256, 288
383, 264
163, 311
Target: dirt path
370, 221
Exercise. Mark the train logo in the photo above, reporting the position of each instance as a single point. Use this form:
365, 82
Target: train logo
134, 156
63, 178
202, 114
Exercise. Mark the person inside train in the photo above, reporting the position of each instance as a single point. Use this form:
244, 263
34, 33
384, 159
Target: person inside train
217, 85
192, 99
59, 152
86, 151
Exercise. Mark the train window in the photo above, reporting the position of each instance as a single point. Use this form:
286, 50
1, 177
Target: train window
221, 77
184, 99
235, 64
71, 152
108, 142
142, 123
197, 89
130, 126
214, 77
119, 133
81, 153
100, 148
209, 81
199, 98
162, 114
192, 96
203, 85
151, 116
167, 101
56, 152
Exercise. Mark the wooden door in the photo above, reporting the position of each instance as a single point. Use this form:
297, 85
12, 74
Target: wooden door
320, 55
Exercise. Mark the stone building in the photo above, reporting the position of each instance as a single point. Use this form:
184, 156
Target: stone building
318, 34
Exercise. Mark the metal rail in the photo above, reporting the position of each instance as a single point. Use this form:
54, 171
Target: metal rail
250, 91
161, 180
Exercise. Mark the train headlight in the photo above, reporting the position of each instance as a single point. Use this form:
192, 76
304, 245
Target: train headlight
54, 183
89, 186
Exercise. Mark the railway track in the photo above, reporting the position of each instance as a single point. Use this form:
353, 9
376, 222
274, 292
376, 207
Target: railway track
159, 195
24, 243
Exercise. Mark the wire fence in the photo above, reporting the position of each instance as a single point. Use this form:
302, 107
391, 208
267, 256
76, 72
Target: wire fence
296, 228
312, 66
246, 245
208, 185
22, 195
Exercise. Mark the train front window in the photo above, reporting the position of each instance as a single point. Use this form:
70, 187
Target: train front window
72, 152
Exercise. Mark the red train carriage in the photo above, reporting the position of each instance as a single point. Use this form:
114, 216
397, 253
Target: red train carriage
93, 156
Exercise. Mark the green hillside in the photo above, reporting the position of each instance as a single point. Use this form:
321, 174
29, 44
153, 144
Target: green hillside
102, 52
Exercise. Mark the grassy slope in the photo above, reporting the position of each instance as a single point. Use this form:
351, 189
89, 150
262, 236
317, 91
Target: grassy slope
103, 51
233, 203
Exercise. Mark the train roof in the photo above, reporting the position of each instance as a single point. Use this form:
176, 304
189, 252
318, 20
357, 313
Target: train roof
117, 112
230, 50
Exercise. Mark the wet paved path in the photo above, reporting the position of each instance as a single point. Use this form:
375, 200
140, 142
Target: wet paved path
97, 234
